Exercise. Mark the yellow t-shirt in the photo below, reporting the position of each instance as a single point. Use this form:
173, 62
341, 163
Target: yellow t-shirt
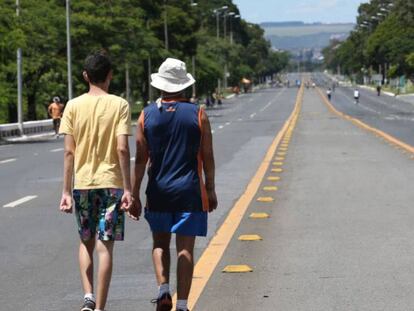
95, 122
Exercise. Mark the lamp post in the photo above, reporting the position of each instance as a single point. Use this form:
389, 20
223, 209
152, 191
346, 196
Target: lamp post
165, 26
19, 81
193, 61
233, 15
69, 53
217, 12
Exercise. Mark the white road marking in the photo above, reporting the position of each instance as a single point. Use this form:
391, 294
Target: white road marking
265, 107
221, 126
252, 115
239, 119
212, 131
133, 159
7, 161
228, 123
57, 150
20, 201
271, 102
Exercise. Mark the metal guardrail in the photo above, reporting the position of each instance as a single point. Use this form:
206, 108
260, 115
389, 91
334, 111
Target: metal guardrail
29, 127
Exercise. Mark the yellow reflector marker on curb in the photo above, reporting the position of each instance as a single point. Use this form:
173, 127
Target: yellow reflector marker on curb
259, 215
237, 269
273, 178
250, 237
279, 158
277, 170
281, 153
283, 149
277, 163
270, 188
265, 199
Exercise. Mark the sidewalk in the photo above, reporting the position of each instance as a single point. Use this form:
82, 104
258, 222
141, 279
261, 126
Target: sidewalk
38, 137
340, 234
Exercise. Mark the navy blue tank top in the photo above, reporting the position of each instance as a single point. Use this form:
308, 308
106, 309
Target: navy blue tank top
173, 134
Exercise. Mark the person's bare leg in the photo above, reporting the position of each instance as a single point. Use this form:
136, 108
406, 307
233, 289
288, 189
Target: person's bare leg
185, 265
105, 252
86, 249
161, 257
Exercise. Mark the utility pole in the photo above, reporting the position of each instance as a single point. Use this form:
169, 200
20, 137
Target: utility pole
193, 61
165, 26
217, 23
225, 24
69, 52
127, 88
217, 11
19, 81
149, 72
225, 60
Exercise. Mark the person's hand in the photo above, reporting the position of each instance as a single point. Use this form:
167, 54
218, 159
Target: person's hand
126, 201
66, 203
212, 200
136, 209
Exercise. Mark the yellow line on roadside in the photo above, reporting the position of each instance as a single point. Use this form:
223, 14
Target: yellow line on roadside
359, 123
211, 256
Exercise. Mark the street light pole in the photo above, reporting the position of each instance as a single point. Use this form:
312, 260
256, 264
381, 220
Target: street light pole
19, 81
217, 23
165, 26
225, 25
193, 60
217, 11
69, 53
149, 71
232, 15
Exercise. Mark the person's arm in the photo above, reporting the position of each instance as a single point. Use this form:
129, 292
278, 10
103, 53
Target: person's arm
69, 156
141, 159
124, 162
49, 110
123, 131
208, 161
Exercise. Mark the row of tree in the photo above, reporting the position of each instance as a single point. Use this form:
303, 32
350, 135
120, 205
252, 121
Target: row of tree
133, 32
382, 42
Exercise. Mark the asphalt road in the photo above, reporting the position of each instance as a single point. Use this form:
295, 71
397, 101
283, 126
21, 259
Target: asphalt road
389, 114
38, 244
340, 233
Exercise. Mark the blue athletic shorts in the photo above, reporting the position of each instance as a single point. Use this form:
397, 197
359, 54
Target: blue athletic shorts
183, 223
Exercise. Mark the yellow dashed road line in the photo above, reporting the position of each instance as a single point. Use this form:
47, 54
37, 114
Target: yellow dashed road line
387, 137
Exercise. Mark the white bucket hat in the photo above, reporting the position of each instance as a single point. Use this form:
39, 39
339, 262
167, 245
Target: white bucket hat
172, 76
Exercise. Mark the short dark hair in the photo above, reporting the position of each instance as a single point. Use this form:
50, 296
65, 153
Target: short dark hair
97, 66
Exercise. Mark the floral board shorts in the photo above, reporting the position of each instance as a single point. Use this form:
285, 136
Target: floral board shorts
98, 213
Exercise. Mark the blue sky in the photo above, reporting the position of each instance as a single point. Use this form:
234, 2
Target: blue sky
327, 11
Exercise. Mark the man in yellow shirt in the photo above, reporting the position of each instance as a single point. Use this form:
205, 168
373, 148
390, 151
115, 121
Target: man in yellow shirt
96, 127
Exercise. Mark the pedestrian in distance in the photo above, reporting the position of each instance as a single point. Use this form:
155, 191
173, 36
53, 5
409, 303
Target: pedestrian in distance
175, 138
55, 111
213, 98
329, 93
96, 127
356, 96
219, 99
378, 90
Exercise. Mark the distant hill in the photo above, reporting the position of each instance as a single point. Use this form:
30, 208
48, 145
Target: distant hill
293, 36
